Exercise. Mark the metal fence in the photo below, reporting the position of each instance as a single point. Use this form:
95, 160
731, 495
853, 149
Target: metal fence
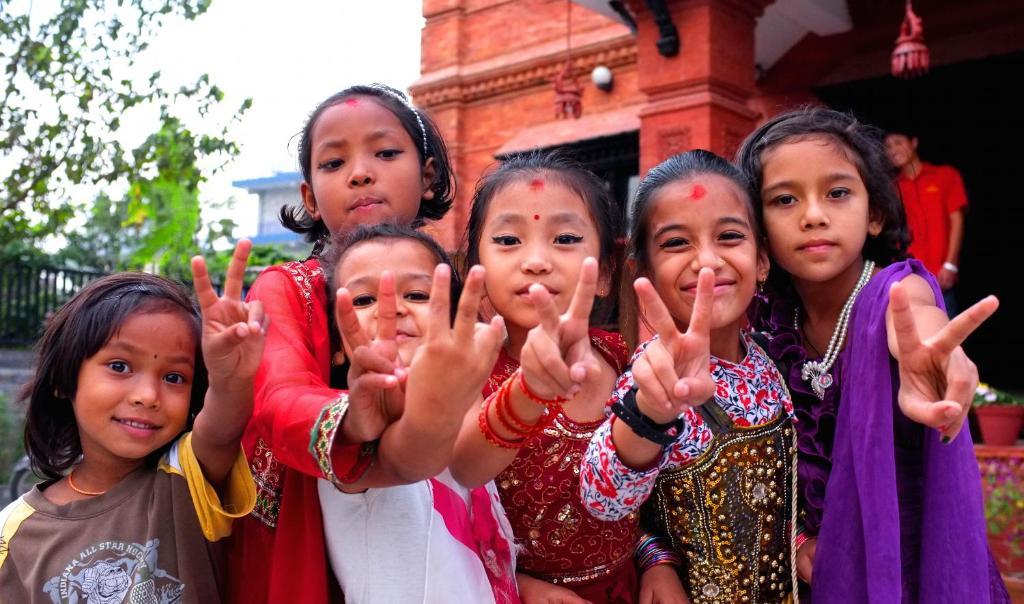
28, 294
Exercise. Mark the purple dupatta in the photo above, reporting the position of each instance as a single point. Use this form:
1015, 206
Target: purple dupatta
903, 518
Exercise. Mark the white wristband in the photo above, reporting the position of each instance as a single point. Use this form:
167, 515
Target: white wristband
949, 266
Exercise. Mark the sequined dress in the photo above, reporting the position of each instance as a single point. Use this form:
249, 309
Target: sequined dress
560, 542
722, 492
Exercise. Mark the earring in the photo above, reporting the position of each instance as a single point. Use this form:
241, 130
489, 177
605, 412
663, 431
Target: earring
760, 284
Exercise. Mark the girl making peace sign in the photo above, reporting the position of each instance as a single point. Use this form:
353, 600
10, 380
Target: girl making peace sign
719, 476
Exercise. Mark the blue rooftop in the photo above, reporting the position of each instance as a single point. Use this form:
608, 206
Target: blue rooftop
281, 179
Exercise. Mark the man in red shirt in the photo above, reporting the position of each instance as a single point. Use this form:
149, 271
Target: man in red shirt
935, 200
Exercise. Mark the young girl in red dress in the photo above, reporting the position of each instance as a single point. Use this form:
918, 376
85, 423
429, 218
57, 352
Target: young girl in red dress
367, 156
537, 224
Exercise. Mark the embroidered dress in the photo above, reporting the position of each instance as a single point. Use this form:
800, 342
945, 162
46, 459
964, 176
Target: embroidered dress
559, 541
722, 492
278, 551
898, 514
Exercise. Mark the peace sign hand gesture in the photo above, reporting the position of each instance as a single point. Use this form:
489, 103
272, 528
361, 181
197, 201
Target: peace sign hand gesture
233, 330
673, 373
556, 357
937, 380
375, 374
455, 358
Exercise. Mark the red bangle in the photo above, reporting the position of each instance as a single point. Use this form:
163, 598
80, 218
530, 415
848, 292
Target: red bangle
799, 540
485, 427
558, 400
507, 415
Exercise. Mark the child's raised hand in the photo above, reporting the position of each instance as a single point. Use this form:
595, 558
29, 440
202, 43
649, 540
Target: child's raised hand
233, 330
375, 398
556, 357
673, 373
937, 380
453, 360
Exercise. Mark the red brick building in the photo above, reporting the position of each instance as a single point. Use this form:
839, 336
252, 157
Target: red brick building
488, 66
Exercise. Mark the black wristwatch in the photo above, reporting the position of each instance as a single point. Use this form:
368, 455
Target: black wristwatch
645, 427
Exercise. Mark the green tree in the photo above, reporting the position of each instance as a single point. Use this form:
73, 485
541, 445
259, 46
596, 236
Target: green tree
70, 79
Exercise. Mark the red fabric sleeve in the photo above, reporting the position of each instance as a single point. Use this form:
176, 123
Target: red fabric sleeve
295, 410
955, 195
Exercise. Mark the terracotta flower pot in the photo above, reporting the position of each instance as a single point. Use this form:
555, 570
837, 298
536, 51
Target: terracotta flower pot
1000, 424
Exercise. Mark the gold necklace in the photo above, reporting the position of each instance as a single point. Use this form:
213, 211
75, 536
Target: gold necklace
71, 483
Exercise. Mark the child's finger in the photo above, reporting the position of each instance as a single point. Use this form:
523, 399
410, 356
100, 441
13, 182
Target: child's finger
387, 307
663, 367
956, 331
647, 382
548, 364
903, 323
440, 302
700, 318
368, 360
469, 304
236, 270
489, 337
378, 381
348, 323
545, 307
256, 315
201, 283
935, 414
693, 390
583, 298
655, 311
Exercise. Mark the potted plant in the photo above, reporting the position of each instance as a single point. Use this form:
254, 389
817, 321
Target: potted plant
1000, 415
1003, 486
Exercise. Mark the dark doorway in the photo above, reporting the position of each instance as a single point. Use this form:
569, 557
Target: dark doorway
966, 115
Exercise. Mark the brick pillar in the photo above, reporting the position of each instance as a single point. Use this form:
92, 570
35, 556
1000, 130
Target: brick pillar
697, 98
442, 51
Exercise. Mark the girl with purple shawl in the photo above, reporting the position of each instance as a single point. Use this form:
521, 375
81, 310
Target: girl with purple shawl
891, 503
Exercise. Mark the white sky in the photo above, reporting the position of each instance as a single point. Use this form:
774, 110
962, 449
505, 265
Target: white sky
287, 57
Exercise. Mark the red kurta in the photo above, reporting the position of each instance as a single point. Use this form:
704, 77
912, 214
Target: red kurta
561, 542
278, 551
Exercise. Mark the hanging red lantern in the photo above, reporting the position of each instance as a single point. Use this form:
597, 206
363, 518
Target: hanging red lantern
910, 57
568, 94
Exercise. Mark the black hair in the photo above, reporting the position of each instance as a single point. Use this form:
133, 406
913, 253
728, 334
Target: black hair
296, 219
77, 331
562, 170
342, 243
863, 146
682, 167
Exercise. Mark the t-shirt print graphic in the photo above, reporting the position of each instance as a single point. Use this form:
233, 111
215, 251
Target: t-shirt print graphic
115, 572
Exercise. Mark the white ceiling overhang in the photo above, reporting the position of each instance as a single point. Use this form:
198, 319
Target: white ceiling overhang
783, 24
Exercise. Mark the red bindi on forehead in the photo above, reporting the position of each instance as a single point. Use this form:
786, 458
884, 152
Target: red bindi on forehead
698, 192
352, 101
537, 184
536, 216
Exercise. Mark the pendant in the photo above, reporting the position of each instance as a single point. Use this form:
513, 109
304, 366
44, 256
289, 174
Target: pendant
820, 380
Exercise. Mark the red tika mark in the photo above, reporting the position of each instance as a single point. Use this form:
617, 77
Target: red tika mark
352, 101
537, 184
536, 216
698, 192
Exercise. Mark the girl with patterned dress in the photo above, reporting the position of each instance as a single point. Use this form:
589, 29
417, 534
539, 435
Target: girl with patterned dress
891, 510
367, 156
702, 426
537, 223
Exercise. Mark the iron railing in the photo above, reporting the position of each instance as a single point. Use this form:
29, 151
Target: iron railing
29, 293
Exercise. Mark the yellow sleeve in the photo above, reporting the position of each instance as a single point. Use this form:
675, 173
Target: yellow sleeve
215, 516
